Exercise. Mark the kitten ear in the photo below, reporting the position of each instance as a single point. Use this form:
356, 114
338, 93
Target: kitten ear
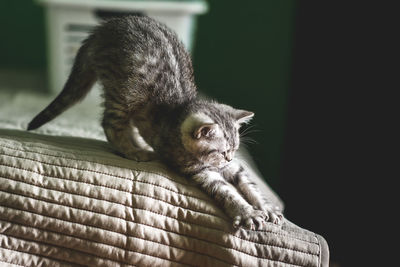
243, 116
205, 130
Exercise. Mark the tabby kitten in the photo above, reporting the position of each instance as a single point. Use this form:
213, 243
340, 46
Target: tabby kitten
152, 111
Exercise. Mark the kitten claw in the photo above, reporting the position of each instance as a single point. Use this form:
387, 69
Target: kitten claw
252, 220
236, 222
260, 222
273, 216
250, 224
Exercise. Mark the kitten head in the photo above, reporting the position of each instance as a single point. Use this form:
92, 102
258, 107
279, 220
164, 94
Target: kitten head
212, 135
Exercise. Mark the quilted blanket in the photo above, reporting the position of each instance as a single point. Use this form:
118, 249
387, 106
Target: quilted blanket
66, 199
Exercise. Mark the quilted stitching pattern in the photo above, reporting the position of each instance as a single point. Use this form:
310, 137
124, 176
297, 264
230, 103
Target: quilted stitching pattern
68, 201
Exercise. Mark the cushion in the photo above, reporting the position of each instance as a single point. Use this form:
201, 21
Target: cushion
68, 200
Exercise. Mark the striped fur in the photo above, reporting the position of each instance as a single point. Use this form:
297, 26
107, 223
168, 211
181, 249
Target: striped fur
151, 110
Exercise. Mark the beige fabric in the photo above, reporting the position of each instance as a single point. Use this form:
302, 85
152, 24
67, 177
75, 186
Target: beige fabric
66, 200
71, 201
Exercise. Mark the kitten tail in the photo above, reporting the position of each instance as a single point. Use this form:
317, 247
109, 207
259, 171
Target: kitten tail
79, 83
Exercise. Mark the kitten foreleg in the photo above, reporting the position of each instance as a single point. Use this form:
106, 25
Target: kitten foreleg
239, 177
253, 195
233, 203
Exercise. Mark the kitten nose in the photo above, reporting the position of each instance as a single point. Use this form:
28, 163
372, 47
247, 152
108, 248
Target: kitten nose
229, 156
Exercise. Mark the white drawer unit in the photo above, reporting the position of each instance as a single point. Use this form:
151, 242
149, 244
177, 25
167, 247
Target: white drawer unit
70, 21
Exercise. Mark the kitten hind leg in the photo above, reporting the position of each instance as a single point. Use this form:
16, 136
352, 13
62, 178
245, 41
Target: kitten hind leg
126, 139
139, 140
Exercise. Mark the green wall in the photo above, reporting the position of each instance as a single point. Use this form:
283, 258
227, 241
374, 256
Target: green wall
242, 57
22, 28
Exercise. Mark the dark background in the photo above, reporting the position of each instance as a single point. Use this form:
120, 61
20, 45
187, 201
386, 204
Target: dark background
336, 167
316, 75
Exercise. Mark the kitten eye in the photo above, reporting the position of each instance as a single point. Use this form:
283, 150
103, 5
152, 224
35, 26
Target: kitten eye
212, 151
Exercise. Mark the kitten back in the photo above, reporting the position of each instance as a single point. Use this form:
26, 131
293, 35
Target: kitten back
139, 62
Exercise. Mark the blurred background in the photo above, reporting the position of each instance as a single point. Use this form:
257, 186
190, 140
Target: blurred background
242, 56
305, 68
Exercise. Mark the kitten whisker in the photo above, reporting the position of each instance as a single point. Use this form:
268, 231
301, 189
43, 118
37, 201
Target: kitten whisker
249, 130
248, 140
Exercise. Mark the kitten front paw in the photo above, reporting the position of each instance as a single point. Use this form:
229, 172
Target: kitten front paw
252, 219
273, 215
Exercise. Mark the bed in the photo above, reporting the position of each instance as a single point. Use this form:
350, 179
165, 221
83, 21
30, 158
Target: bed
67, 199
